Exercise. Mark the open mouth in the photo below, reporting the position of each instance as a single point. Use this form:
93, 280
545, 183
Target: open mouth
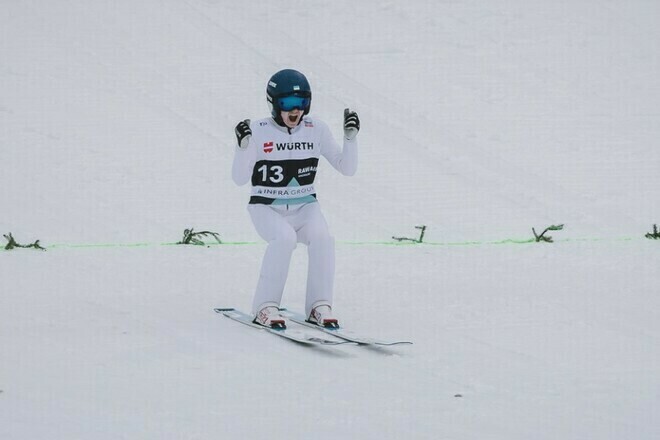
293, 118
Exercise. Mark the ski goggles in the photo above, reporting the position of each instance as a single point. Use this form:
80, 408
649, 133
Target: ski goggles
288, 103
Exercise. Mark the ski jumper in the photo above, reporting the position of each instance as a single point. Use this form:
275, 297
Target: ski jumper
281, 165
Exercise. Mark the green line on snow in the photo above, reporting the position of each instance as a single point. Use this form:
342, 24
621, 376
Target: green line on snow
99, 245
508, 241
126, 245
437, 243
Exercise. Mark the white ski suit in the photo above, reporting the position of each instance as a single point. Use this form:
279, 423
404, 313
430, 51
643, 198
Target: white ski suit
281, 164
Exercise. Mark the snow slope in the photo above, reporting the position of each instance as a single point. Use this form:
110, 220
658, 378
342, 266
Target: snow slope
480, 120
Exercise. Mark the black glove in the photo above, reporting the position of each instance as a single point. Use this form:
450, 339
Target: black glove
351, 124
243, 134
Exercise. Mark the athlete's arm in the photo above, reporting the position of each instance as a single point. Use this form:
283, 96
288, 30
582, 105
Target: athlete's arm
344, 159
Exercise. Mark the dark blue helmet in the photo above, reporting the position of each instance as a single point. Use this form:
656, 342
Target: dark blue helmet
287, 82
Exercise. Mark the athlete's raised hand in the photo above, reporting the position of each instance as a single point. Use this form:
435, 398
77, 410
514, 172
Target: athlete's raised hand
243, 133
351, 124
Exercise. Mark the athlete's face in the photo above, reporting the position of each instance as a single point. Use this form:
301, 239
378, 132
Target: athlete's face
292, 118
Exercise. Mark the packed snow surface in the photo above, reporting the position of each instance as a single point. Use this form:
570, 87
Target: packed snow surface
480, 120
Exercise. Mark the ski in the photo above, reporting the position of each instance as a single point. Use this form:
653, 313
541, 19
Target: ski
339, 332
290, 334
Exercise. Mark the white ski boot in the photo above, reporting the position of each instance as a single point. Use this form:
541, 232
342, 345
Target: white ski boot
322, 316
270, 316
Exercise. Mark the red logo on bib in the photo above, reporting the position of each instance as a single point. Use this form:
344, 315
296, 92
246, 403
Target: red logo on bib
268, 147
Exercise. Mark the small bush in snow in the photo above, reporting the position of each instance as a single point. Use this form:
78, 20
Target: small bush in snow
653, 235
12, 244
190, 237
543, 237
414, 240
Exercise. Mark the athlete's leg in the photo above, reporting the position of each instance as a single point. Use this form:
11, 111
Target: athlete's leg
313, 232
281, 239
